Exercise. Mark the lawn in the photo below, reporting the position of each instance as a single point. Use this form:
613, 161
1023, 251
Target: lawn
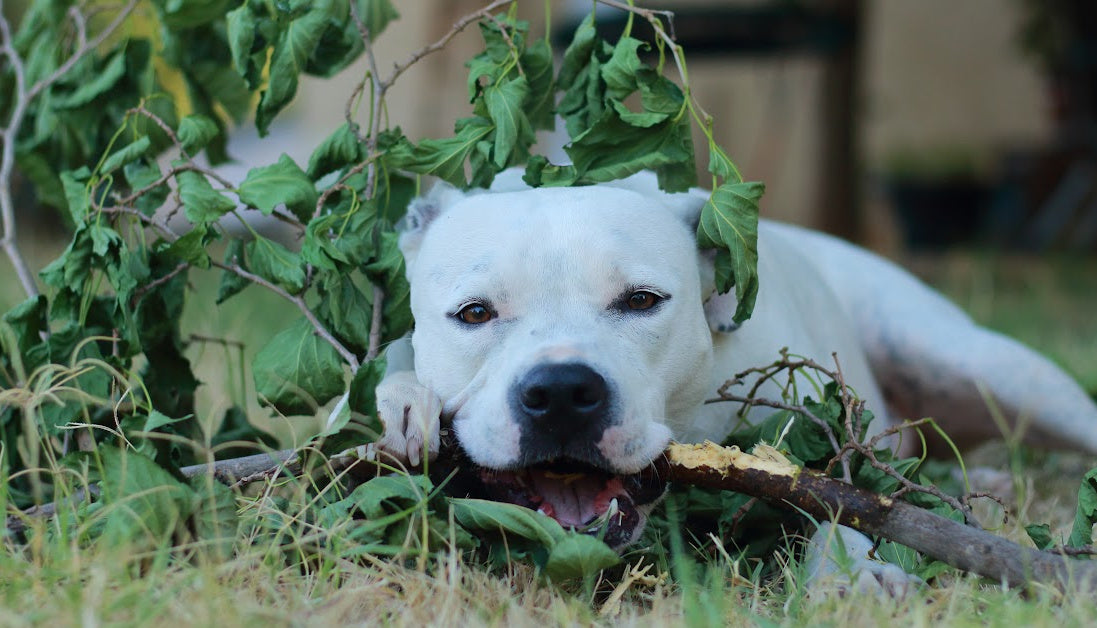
58, 579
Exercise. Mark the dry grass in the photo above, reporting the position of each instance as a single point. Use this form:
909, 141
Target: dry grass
56, 581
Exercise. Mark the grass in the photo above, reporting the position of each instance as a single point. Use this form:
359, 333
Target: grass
56, 579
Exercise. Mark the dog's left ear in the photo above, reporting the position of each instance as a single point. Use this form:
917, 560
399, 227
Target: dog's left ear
421, 213
719, 308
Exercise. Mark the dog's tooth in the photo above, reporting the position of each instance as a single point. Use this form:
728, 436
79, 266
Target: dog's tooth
541, 510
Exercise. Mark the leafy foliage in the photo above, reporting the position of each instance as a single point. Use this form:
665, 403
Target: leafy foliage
109, 331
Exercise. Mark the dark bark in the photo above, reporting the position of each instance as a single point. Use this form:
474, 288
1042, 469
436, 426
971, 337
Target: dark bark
787, 486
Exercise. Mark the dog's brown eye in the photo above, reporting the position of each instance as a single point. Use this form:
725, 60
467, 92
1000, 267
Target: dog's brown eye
642, 300
475, 314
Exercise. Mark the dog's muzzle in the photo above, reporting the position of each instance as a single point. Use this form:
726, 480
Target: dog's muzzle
563, 411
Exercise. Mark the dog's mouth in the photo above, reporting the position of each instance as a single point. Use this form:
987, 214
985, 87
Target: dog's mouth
578, 496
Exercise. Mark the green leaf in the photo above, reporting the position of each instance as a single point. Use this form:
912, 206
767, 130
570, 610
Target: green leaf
340, 241
75, 185
513, 133
236, 430
620, 71
376, 15
297, 371
266, 187
126, 154
295, 44
27, 321
196, 131
345, 310
201, 203
388, 270
242, 26
792, 433
444, 158
578, 555
142, 503
613, 149
191, 246
179, 14
363, 398
101, 80
231, 283
537, 63
578, 53
1086, 514
275, 263
338, 150
214, 516
1040, 533
500, 517
141, 174
729, 223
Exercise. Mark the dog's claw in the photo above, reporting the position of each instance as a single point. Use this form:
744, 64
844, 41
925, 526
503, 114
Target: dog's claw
409, 413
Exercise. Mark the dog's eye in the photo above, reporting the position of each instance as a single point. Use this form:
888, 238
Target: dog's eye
642, 300
475, 314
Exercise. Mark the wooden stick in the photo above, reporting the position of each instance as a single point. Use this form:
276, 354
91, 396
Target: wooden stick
775, 480
782, 484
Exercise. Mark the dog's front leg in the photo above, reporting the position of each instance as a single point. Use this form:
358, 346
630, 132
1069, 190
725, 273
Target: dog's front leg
409, 411
839, 561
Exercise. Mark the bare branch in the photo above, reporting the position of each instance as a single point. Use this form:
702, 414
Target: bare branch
375, 324
787, 486
457, 27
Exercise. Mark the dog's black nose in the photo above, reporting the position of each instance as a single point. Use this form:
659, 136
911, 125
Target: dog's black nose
562, 396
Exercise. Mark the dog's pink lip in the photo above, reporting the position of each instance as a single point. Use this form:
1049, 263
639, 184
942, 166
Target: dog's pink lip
577, 496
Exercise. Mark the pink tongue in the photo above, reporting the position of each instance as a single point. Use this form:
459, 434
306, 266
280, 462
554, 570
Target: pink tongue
574, 500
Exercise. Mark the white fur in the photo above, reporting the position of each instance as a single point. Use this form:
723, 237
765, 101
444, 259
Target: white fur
551, 260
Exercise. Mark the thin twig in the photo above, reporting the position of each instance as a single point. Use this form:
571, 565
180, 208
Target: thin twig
225, 342
375, 324
458, 26
318, 327
145, 289
21, 101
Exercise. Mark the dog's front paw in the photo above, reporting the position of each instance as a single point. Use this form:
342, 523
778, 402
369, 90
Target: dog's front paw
838, 563
409, 413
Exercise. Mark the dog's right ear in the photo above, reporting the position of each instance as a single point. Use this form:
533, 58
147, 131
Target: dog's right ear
421, 213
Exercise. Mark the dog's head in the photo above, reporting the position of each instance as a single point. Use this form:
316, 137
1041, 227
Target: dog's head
564, 330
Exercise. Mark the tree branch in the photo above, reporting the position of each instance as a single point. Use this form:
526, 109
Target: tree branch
790, 487
21, 101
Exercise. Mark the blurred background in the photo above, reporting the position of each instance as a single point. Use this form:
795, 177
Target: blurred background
957, 138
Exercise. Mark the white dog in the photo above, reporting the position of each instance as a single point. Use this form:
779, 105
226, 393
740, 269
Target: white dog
570, 333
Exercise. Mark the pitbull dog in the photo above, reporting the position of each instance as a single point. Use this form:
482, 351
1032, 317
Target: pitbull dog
570, 333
